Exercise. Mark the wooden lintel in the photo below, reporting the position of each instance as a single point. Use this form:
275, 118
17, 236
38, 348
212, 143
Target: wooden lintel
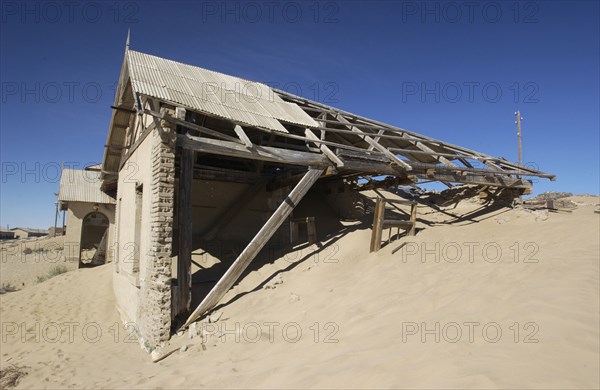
263, 153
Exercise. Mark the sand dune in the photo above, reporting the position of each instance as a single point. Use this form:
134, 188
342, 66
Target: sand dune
503, 300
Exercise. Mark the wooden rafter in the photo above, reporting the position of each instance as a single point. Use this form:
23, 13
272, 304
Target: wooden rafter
393, 158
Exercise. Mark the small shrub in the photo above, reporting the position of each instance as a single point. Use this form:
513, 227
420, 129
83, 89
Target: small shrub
6, 288
41, 279
11, 375
55, 271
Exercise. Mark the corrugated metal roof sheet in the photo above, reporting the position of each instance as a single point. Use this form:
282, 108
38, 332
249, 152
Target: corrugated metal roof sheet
217, 94
82, 186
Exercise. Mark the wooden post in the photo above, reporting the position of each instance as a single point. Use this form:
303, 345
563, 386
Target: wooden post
184, 258
257, 243
413, 219
377, 225
311, 230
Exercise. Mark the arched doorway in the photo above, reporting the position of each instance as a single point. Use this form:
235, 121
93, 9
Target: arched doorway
94, 232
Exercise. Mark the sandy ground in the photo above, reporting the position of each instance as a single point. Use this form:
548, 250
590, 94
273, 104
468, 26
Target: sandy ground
23, 261
508, 299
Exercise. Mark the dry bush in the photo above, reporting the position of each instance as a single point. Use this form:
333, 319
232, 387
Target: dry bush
11, 375
55, 271
6, 288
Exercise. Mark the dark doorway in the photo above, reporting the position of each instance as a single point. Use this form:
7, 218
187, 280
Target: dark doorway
94, 232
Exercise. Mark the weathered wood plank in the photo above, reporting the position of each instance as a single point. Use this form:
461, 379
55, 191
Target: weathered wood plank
242, 136
377, 145
379, 134
377, 225
388, 223
191, 125
413, 220
184, 218
257, 243
264, 153
324, 148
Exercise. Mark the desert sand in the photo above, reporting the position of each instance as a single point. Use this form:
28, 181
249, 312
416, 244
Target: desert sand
507, 299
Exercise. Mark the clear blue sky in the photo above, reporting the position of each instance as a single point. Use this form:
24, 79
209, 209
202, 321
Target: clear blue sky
455, 71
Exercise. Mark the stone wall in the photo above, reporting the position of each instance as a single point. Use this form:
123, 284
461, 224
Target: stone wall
154, 322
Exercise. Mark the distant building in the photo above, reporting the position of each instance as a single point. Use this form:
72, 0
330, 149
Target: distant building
55, 231
90, 216
21, 232
6, 234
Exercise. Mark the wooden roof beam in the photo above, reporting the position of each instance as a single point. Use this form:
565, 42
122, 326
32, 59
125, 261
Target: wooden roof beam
324, 148
391, 156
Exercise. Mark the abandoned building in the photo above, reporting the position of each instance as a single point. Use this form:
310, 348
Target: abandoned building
194, 156
90, 217
55, 231
22, 232
6, 234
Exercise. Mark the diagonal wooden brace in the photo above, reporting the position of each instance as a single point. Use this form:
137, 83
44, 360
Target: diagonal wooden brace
257, 243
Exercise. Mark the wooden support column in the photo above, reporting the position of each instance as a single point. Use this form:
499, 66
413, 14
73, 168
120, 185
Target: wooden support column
377, 225
257, 243
184, 216
413, 219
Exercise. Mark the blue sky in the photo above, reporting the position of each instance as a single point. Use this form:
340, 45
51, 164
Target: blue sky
456, 71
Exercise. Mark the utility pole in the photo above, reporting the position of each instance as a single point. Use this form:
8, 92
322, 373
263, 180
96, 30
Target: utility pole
518, 122
56, 214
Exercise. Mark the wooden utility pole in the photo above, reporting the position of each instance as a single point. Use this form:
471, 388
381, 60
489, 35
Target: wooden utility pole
55, 215
518, 114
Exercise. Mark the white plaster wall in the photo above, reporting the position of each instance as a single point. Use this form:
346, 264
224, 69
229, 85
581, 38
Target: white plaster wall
137, 170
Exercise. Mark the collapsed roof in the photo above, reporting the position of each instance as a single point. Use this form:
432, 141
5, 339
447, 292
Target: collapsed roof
241, 119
